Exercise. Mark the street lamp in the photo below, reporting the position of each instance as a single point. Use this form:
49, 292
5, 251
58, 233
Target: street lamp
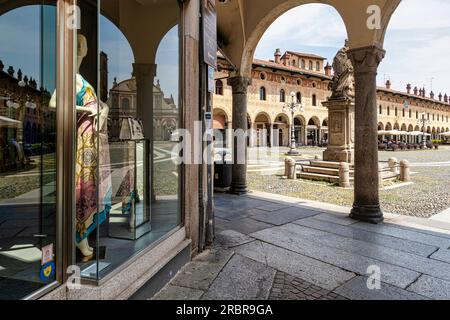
293, 107
423, 121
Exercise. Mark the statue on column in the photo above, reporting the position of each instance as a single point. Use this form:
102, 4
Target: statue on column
343, 86
341, 108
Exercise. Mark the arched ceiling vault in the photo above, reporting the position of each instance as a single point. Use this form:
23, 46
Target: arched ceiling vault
242, 23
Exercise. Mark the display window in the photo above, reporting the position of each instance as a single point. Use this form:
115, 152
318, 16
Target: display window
127, 188
96, 191
28, 219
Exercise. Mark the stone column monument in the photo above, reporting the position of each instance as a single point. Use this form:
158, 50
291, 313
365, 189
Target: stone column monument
341, 108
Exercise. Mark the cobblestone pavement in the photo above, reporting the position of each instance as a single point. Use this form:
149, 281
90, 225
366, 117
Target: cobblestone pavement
276, 247
287, 287
426, 196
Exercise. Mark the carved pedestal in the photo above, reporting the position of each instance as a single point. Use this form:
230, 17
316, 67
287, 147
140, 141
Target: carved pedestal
341, 130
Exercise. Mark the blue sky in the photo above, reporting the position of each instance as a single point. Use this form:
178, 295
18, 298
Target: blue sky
417, 41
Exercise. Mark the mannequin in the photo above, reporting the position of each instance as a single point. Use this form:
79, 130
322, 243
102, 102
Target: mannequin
92, 151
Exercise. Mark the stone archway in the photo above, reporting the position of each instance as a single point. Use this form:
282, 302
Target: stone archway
300, 130
241, 26
313, 131
262, 127
281, 131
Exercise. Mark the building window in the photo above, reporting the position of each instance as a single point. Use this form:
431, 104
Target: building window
310, 65
262, 94
388, 111
303, 64
317, 66
314, 100
125, 104
299, 97
380, 109
396, 111
403, 113
219, 87
294, 64
262, 76
417, 114
410, 113
282, 96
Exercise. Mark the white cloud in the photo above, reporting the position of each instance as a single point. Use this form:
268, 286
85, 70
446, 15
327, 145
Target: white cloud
417, 41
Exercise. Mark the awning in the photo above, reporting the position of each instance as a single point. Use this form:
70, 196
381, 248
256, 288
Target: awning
401, 133
445, 134
8, 122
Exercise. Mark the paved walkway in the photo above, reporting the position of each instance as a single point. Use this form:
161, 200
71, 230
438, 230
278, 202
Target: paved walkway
275, 247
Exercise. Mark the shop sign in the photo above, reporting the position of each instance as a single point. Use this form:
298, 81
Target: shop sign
209, 33
211, 81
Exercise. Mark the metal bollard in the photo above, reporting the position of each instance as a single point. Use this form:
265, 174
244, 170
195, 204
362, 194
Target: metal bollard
405, 171
344, 175
393, 164
290, 168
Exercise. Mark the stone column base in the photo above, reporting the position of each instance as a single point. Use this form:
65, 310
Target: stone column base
370, 214
238, 189
338, 155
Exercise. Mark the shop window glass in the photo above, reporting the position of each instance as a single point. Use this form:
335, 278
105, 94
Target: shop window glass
127, 186
27, 148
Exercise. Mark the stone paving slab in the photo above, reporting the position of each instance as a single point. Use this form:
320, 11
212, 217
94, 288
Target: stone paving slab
279, 236
172, 292
242, 279
441, 255
232, 215
335, 218
311, 270
405, 233
273, 207
410, 261
426, 226
368, 236
235, 203
200, 274
357, 289
244, 225
282, 216
231, 238
431, 287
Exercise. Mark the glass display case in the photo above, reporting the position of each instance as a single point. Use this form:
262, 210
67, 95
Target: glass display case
130, 216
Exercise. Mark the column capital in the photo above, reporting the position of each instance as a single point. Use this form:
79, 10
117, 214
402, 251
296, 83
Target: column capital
144, 70
366, 59
239, 84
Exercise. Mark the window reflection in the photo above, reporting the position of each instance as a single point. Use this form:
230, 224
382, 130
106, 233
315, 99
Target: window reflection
136, 189
27, 150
